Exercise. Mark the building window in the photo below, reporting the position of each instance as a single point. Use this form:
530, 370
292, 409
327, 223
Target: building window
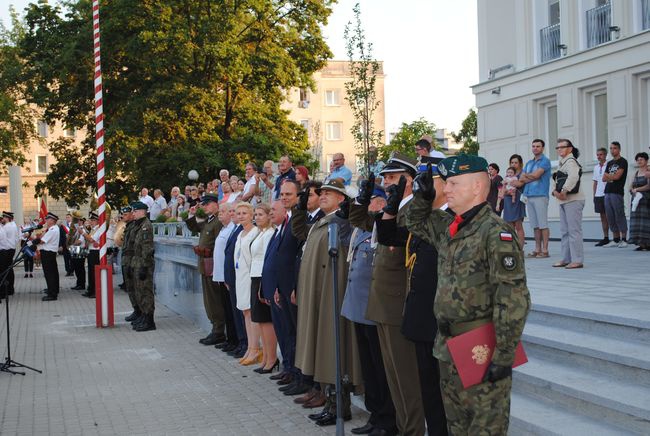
333, 131
598, 21
3, 189
599, 124
69, 132
551, 130
41, 164
304, 98
305, 125
41, 126
332, 97
645, 14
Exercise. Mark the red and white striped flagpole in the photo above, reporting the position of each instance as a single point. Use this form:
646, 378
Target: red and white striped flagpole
103, 273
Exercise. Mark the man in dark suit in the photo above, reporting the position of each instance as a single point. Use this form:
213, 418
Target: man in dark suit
229, 279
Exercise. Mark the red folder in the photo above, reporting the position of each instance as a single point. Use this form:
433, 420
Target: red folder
472, 353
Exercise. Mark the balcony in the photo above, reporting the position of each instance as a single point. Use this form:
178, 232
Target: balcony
598, 21
645, 14
549, 38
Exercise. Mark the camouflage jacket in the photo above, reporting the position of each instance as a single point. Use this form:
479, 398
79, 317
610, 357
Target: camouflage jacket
141, 239
481, 277
127, 244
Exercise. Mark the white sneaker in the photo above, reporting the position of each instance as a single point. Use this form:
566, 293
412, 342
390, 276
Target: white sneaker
622, 244
611, 244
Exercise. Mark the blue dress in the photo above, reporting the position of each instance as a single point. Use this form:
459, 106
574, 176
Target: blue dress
513, 211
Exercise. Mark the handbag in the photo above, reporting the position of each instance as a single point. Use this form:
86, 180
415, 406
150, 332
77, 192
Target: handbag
561, 177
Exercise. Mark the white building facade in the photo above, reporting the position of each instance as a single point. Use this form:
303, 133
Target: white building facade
576, 69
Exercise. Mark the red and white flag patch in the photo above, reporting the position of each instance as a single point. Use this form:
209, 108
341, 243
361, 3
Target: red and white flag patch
505, 236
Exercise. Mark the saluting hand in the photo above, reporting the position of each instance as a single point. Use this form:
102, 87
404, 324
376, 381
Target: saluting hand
423, 185
366, 189
344, 209
395, 195
303, 197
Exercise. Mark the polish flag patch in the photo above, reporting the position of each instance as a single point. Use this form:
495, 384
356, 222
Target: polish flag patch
505, 236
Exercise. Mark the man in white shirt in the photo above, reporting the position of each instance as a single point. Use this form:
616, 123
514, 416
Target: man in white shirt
424, 147
9, 238
599, 193
146, 198
49, 247
218, 271
251, 182
159, 204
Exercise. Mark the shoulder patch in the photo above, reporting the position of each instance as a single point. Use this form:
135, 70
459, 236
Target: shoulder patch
505, 236
509, 262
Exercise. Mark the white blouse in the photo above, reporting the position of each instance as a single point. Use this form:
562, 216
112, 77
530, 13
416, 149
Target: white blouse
258, 250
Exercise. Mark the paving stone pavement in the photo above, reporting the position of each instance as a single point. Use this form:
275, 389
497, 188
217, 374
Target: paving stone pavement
116, 381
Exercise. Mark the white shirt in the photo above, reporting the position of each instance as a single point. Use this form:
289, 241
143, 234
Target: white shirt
313, 214
219, 253
10, 236
96, 235
258, 250
250, 184
147, 200
50, 240
436, 153
157, 207
598, 177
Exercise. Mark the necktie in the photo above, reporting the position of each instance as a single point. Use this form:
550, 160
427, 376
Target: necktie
453, 227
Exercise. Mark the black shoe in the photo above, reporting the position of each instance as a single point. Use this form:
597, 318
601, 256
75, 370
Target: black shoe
319, 415
602, 242
330, 419
31, 275
135, 315
89, 294
26, 275
285, 380
366, 429
288, 386
44, 291
298, 389
228, 347
49, 298
139, 320
275, 366
241, 354
236, 350
69, 274
278, 376
122, 286
78, 288
381, 432
213, 339
147, 324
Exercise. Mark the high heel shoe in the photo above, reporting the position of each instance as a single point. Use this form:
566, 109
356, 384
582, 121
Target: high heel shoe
252, 360
263, 370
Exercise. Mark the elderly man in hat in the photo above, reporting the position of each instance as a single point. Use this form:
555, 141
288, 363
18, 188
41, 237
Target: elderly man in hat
142, 266
208, 230
315, 345
389, 287
9, 237
49, 247
481, 280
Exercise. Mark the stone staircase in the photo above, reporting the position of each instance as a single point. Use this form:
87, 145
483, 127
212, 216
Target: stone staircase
588, 374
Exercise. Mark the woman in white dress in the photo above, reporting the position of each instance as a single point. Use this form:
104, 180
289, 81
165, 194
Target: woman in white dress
260, 310
243, 259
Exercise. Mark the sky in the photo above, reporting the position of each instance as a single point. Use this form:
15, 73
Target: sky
429, 49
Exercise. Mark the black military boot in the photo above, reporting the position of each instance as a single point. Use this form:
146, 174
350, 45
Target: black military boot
135, 315
135, 323
147, 324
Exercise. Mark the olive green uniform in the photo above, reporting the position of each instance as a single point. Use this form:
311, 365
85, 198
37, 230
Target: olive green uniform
127, 254
142, 264
481, 279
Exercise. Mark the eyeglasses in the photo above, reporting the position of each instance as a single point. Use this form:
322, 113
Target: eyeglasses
561, 146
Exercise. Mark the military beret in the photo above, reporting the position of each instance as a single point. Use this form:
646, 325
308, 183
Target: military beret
434, 161
126, 209
399, 163
138, 205
6, 214
461, 164
333, 185
207, 198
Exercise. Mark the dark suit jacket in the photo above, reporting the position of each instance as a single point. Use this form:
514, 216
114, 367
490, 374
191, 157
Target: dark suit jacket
229, 262
270, 267
288, 248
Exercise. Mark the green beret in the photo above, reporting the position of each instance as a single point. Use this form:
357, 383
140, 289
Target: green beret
461, 164
207, 198
138, 205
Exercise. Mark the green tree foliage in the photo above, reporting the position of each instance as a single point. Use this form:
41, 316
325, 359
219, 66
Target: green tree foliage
467, 134
406, 137
360, 91
16, 117
188, 84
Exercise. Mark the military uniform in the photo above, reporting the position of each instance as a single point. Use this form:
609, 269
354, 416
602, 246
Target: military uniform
208, 230
127, 271
481, 279
142, 268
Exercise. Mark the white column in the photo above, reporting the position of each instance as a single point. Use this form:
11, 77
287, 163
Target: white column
16, 194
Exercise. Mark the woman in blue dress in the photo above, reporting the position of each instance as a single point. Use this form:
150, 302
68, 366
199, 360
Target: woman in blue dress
515, 211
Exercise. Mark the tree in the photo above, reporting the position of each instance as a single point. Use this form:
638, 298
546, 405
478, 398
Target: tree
406, 137
467, 134
360, 91
16, 116
187, 85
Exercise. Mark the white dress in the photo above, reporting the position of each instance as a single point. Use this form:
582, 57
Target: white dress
243, 259
258, 250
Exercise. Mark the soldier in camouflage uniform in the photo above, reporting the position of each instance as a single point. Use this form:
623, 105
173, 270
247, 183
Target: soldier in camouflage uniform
142, 266
127, 253
481, 279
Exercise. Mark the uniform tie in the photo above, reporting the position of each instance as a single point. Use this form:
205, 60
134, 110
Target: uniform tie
453, 227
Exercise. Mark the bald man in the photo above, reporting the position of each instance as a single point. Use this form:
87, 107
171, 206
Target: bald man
481, 280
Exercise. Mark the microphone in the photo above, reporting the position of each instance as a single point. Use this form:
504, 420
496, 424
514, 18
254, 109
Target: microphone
333, 239
32, 228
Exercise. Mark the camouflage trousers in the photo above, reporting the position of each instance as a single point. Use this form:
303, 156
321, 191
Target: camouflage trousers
483, 409
143, 290
127, 275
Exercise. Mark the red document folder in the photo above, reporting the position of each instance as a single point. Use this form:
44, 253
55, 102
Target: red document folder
472, 353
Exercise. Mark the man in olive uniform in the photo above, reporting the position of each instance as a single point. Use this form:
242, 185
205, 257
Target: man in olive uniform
208, 230
481, 280
389, 287
127, 254
142, 266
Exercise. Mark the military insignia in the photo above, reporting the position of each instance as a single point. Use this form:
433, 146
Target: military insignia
505, 236
441, 169
463, 167
480, 354
509, 262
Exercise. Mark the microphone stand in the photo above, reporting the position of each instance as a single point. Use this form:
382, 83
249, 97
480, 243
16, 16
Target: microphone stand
9, 362
333, 251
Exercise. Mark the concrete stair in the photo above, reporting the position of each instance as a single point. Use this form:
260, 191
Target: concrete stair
588, 374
